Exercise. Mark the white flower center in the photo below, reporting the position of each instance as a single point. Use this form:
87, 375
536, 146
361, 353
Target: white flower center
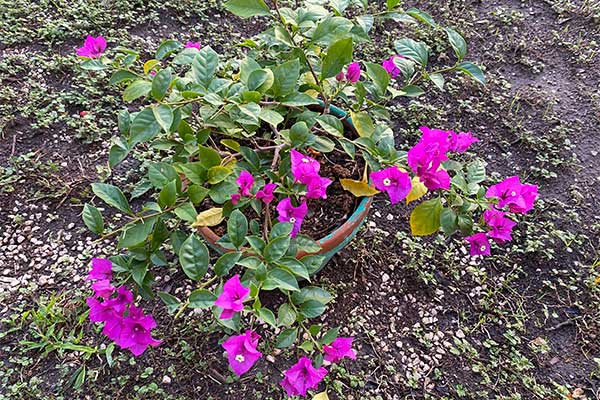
240, 358
305, 160
513, 193
292, 220
387, 182
482, 248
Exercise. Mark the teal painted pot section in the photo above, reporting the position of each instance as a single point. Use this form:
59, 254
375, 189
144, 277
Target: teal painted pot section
333, 242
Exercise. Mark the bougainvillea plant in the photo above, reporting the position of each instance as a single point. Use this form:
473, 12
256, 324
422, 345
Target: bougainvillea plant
242, 143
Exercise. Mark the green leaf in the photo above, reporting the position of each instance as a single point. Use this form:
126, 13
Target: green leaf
204, 66
282, 279
277, 248
412, 91
312, 293
172, 302
122, 75
281, 229
413, 50
218, 174
313, 262
363, 123
391, 4
307, 244
144, 127
247, 8
473, 71
299, 100
208, 157
193, 257
286, 338
93, 65
257, 244
112, 195
161, 173
294, 266
93, 219
323, 144
285, 78
270, 116
286, 315
118, 152
448, 221
425, 218
438, 80
237, 228
166, 48
226, 262
136, 233
300, 135
202, 298
186, 212
338, 55
458, 43
312, 308
168, 195
331, 124
476, 172
379, 76
421, 16
137, 89
330, 336
267, 315
258, 78
164, 116
330, 29
197, 193
160, 83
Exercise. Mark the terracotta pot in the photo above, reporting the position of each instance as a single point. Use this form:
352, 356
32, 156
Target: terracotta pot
330, 244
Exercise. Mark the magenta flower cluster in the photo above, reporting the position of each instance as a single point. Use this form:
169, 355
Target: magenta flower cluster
124, 322
352, 74
242, 351
512, 195
426, 157
245, 182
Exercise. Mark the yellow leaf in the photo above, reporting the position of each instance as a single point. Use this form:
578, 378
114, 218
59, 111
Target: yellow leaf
321, 396
358, 188
418, 190
363, 123
597, 280
211, 217
425, 218
149, 65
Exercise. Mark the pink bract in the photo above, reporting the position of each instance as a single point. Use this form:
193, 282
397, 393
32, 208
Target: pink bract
93, 47
394, 182
245, 180
289, 213
232, 298
136, 334
304, 168
241, 351
266, 193
512, 193
500, 226
339, 348
480, 244
101, 269
301, 377
193, 45
353, 72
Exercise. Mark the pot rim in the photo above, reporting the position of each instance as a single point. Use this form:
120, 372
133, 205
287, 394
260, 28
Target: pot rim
327, 243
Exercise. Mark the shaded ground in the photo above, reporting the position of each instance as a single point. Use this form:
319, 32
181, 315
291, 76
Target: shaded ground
429, 321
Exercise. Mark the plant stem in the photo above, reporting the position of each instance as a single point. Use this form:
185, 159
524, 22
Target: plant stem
310, 67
